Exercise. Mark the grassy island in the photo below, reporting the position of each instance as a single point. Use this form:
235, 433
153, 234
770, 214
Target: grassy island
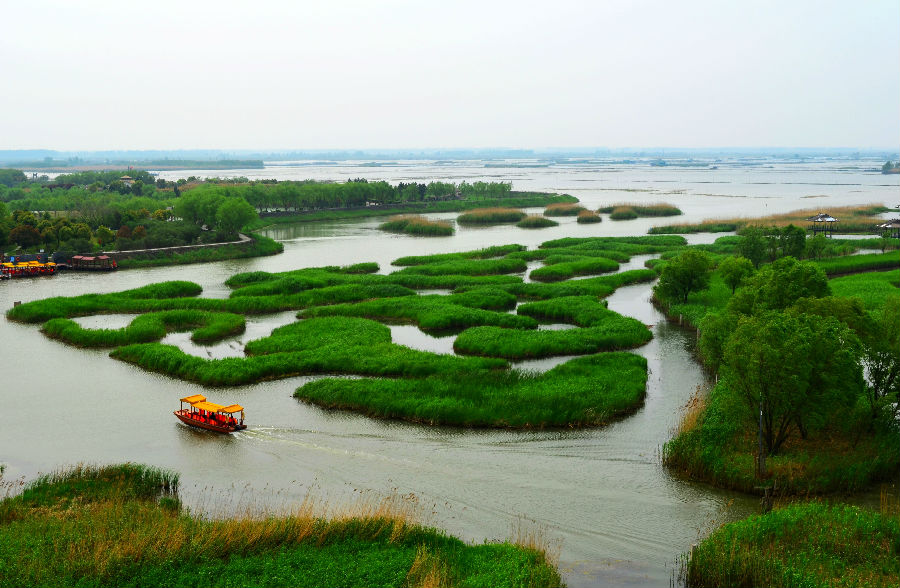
343, 313
536, 221
563, 209
491, 216
414, 224
820, 358
123, 525
811, 545
627, 211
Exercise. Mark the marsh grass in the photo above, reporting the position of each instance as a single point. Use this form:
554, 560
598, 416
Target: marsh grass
122, 525
467, 267
659, 209
850, 264
535, 221
564, 270
561, 209
853, 219
486, 253
634, 245
873, 288
260, 247
320, 332
623, 213
489, 216
811, 545
586, 391
414, 224
588, 217
207, 327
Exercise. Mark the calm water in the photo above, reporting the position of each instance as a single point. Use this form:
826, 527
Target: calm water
601, 495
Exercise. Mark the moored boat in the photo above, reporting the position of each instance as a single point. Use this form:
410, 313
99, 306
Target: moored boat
210, 416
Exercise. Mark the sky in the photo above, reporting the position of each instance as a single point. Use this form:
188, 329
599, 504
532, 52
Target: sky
396, 74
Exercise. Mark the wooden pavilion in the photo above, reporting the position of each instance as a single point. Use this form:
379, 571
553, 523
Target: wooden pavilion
822, 223
892, 227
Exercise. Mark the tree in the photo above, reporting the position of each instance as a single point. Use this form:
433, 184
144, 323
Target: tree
689, 272
888, 166
25, 236
734, 270
816, 246
793, 241
139, 232
104, 235
778, 286
802, 372
233, 214
124, 232
753, 245
881, 357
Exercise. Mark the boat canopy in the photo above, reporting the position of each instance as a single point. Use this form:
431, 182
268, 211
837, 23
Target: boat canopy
234, 408
208, 406
194, 398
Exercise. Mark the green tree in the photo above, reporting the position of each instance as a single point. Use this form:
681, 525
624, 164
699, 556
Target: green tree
816, 246
734, 270
778, 286
881, 357
888, 166
104, 235
792, 240
25, 236
802, 372
233, 214
11, 177
689, 272
753, 245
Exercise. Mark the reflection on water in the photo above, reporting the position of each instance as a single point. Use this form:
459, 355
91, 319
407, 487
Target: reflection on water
620, 517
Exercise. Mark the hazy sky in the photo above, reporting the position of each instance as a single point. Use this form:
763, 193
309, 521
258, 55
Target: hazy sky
396, 74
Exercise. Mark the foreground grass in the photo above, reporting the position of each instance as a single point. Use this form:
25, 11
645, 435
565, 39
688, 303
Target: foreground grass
586, 391
873, 288
804, 545
850, 264
121, 525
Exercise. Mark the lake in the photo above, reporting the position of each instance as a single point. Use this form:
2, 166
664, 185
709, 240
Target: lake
601, 496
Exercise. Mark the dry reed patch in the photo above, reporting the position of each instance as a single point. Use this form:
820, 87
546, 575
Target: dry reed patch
846, 214
536, 537
692, 411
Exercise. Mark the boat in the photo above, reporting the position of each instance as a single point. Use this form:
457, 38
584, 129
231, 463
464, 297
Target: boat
210, 416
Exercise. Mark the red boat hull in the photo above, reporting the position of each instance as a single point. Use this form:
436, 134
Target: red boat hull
184, 417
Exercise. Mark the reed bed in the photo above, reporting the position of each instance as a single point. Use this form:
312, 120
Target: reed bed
122, 525
623, 213
586, 391
659, 209
850, 264
563, 209
486, 253
811, 544
588, 217
612, 334
243, 279
581, 311
207, 327
634, 245
430, 313
535, 221
314, 333
382, 359
414, 224
40, 311
873, 288
600, 286
578, 267
490, 216
468, 267
853, 219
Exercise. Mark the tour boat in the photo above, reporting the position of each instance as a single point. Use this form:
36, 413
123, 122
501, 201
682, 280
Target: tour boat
210, 416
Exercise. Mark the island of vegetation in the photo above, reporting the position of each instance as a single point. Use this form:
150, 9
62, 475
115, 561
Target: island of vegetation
342, 331
416, 224
806, 402
628, 211
123, 525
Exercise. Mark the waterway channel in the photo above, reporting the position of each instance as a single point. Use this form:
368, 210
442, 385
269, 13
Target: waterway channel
600, 495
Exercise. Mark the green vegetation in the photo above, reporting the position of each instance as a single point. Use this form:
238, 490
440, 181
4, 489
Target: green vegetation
486, 253
467, 267
414, 224
490, 216
122, 525
782, 345
260, 247
588, 217
710, 226
564, 270
627, 209
586, 391
850, 264
872, 288
811, 545
623, 213
208, 327
686, 273
563, 209
312, 334
535, 221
